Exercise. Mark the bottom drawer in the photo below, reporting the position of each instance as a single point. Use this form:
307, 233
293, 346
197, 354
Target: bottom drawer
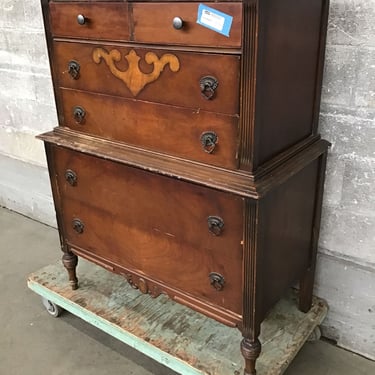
176, 233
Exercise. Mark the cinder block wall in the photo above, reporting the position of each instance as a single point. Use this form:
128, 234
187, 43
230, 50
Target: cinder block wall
346, 266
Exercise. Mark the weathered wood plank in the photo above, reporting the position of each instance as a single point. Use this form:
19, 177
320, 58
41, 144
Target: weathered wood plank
181, 339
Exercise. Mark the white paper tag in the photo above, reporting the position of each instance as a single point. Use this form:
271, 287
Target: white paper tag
212, 19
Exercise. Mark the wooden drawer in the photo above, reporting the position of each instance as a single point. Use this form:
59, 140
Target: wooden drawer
179, 83
102, 20
196, 135
143, 23
154, 225
153, 23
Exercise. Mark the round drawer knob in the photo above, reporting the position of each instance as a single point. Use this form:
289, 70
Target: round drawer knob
81, 19
178, 23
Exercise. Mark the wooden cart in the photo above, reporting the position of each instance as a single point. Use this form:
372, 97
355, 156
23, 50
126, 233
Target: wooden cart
178, 337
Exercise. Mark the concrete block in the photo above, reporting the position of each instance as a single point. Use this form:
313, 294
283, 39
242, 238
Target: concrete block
22, 145
350, 292
364, 94
348, 234
351, 131
22, 50
352, 22
26, 85
25, 188
339, 75
12, 14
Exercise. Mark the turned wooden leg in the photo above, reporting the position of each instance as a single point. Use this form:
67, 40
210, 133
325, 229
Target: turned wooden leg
70, 262
250, 351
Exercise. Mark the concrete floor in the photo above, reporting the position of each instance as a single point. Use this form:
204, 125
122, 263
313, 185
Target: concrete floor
32, 342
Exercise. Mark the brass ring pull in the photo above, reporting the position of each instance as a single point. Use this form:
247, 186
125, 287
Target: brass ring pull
208, 85
71, 177
215, 225
73, 69
217, 281
79, 114
78, 226
209, 140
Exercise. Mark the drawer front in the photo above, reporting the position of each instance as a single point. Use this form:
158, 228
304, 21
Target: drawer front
201, 81
161, 227
196, 135
142, 23
101, 20
153, 23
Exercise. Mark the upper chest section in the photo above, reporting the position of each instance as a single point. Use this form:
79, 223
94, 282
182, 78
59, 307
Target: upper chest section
216, 24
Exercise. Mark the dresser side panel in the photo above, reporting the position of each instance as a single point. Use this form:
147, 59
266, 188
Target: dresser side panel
288, 65
287, 232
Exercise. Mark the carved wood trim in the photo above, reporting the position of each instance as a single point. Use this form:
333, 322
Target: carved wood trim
248, 82
133, 77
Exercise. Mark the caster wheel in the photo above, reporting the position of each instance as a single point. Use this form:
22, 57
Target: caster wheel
315, 335
52, 308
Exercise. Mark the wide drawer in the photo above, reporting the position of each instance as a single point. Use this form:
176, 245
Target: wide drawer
143, 22
196, 135
194, 80
154, 225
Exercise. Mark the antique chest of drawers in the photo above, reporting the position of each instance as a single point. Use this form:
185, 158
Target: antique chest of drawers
187, 157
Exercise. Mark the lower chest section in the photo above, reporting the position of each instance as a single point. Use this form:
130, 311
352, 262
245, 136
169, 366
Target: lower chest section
162, 233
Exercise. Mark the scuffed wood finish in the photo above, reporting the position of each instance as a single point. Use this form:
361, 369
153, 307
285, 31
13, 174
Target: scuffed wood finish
112, 201
235, 182
167, 129
103, 21
143, 23
165, 133
182, 339
181, 88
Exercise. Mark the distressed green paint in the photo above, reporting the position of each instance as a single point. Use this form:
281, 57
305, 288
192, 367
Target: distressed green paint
178, 337
113, 330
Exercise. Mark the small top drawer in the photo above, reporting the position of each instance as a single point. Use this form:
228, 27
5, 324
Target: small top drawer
153, 23
103, 21
143, 22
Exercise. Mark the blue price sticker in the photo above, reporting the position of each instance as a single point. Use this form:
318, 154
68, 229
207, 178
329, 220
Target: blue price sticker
214, 20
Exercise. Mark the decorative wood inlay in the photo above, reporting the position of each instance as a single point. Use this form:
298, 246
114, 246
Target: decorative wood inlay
133, 77
248, 74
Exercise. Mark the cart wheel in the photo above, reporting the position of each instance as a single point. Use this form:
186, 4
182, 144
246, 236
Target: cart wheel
315, 335
52, 308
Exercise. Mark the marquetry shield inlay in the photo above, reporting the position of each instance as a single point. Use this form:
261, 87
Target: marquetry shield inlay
133, 77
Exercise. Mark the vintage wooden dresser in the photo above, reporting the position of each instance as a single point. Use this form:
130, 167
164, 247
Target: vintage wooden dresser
187, 157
